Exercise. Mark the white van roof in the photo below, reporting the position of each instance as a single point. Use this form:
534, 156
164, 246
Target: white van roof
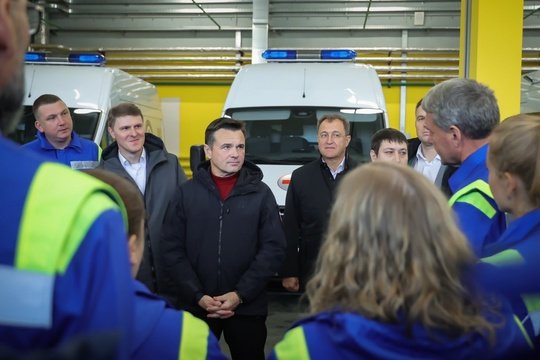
94, 88
306, 84
86, 86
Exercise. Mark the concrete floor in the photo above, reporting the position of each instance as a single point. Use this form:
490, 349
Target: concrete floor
283, 310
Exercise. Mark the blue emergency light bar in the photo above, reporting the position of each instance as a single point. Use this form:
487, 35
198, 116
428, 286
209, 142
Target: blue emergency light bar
279, 55
32, 56
309, 55
338, 54
75, 58
86, 58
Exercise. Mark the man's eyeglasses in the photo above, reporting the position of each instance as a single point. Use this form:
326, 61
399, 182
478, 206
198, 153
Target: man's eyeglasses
334, 136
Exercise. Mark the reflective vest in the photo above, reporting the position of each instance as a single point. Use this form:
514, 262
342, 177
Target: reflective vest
531, 302
46, 244
473, 194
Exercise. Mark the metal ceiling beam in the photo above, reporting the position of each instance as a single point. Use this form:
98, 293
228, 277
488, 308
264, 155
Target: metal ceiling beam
367, 14
205, 13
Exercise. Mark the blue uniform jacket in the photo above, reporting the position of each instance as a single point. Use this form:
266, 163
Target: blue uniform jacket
477, 227
94, 294
341, 335
161, 331
517, 254
78, 150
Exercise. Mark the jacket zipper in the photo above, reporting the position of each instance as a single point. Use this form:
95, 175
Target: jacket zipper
219, 246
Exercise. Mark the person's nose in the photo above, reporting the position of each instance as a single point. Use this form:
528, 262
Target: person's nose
61, 120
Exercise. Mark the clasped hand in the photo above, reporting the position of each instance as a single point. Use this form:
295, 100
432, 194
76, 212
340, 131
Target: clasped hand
220, 307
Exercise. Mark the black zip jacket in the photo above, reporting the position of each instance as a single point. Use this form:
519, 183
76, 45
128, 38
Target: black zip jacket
307, 210
211, 247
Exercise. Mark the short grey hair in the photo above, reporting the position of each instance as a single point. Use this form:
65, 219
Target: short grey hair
464, 103
335, 116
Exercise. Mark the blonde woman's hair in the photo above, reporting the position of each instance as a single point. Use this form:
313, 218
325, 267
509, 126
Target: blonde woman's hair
393, 253
514, 147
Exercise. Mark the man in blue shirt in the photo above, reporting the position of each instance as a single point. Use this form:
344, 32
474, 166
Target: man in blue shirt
56, 139
460, 115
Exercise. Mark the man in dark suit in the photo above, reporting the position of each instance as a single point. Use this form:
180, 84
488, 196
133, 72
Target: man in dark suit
424, 158
309, 199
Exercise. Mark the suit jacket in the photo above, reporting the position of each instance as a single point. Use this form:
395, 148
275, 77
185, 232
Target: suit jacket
307, 209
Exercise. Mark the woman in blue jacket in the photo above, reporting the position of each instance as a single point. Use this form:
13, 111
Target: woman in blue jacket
390, 279
514, 178
160, 332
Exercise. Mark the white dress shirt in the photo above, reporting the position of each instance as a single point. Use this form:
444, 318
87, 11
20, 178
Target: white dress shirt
339, 169
430, 169
137, 171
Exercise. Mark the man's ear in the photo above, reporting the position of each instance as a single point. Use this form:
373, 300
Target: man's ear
38, 126
456, 136
348, 140
207, 151
132, 249
373, 155
111, 132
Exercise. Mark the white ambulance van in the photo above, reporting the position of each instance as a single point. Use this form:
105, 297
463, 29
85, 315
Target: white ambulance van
89, 90
281, 101
530, 92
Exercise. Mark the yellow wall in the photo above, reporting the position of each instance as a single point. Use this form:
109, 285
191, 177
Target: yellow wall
496, 37
392, 96
200, 104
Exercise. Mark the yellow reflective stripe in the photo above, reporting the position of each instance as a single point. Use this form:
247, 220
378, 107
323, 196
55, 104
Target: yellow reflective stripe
478, 201
48, 243
88, 214
472, 194
479, 185
99, 153
194, 342
523, 332
293, 346
506, 257
532, 302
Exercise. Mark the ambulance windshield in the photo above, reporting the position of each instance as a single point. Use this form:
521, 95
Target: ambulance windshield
85, 123
289, 135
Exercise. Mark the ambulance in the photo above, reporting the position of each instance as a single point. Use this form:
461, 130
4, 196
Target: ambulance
89, 90
280, 102
530, 92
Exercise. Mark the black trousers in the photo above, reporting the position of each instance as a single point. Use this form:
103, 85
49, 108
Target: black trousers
245, 335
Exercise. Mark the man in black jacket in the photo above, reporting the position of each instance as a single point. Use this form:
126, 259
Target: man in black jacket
309, 199
142, 159
223, 240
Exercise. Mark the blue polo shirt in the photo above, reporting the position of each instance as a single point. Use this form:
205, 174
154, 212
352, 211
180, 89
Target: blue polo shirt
79, 154
479, 229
